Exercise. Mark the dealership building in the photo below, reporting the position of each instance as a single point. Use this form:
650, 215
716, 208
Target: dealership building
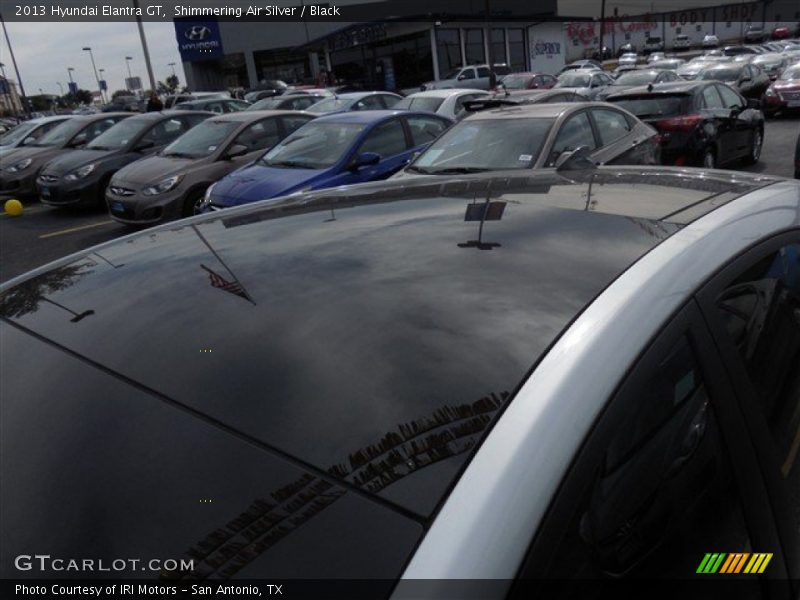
432, 37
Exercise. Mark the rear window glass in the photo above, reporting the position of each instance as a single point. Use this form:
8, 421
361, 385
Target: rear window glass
654, 106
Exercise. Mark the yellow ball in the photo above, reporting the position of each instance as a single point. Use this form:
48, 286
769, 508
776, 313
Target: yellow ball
13, 207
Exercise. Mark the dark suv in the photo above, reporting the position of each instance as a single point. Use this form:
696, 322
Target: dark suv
702, 123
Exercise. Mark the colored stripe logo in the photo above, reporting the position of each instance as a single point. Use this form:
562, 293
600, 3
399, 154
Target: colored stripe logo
734, 563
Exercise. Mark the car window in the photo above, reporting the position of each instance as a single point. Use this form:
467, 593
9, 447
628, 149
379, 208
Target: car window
425, 129
483, 72
372, 102
293, 123
164, 132
467, 74
389, 101
761, 313
657, 491
730, 99
576, 132
611, 125
711, 98
192, 120
233, 106
301, 103
387, 139
215, 107
259, 136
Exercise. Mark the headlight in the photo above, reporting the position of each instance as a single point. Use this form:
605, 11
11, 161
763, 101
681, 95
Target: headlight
80, 173
162, 186
769, 92
21, 165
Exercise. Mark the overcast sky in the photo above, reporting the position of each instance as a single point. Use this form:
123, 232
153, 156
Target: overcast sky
45, 50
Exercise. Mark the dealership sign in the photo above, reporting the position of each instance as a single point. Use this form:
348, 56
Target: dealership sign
198, 40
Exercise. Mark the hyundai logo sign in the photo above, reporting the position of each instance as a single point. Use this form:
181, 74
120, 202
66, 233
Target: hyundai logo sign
197, 33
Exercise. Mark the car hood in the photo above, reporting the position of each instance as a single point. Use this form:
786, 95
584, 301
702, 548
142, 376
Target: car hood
76, 159
32, 152
260, 182
153, 169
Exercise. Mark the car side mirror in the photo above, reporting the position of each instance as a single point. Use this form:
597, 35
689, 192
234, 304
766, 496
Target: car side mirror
146, 145
365, 159
461, 77
236, 150
575, 159
413, 157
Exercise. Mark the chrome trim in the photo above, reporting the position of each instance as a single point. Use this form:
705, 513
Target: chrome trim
121, 191
486, 525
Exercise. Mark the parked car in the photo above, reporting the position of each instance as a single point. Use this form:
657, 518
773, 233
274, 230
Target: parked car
735, 50
267, 89
590, 84
653, 44
755, 34
784, 93
173, 99
626, 48
215, 105
123, 103
591, 65
172, 184
638, 78
28, 132
710, 41
701, 123
632, 324
690, 70
780, 33
527, 81
771, 63
668, 64
655, 56
80, 177
22, 166
333, 150
472, 77
681, 42
448, 103
353, 101
287, 102
628, 59
532, 136
623, 69
748, 79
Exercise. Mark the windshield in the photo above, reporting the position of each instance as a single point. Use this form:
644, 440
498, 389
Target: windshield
314, 146
571, 79
635, 78
720, 74
331, 104
19, 132
426, 104
485, 145
120, 134
61, 134
660, 105
201, 140
516, 82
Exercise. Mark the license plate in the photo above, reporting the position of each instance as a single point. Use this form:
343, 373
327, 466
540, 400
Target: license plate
46, 192
118, 207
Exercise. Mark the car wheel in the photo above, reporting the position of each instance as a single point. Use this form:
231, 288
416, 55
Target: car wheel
755, 147
709, 160
192, 203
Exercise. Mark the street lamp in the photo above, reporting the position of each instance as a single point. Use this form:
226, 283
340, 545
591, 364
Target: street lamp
96, 76
128, 60
103, 78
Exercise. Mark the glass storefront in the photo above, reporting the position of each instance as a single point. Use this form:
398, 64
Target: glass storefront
283, 64
498, 46
474, 51
516, 49
448, 49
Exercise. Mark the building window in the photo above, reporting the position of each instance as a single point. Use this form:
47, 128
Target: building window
448, 49
285, 65
474, 51
499, 46
516, 49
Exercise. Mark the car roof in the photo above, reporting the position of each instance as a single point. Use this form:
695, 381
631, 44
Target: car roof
364, 116
170, 113
255, 115
446, 93
358, 326
357, 95
670, 87
523, 111
47, 119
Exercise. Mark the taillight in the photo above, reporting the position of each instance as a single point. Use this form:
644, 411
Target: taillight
686, 123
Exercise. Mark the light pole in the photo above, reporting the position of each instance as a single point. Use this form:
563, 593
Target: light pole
145, 50
3, 69
103, 78
96, 76
128, 60
69, 72
25, 104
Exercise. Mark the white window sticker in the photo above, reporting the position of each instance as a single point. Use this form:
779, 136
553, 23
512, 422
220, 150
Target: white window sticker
212, 148
525, 158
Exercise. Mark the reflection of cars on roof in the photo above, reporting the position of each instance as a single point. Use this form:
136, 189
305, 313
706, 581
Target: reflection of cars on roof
351, 101
81, 176
570, 461
215, 105
702, 123
529, 136
172, 183
448, 103
28, 132
21, 167
333, 150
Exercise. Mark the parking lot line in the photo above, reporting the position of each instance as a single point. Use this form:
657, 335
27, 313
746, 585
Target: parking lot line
74, 229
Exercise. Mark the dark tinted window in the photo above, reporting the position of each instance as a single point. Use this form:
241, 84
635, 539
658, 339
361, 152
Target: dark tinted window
761, 309
389, 101
483, 72
576, 132
711, 98
165, 131
467, 74
611, 125
661, 494
292, 124
386, 139
425, 129
369, 103
646, 107
259, 136
730, 99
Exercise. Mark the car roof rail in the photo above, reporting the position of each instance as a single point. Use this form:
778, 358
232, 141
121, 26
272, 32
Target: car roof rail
477, 105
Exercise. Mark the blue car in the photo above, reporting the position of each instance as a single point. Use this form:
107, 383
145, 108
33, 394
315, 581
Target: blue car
334, 150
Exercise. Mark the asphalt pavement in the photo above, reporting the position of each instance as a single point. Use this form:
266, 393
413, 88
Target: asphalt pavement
43, 234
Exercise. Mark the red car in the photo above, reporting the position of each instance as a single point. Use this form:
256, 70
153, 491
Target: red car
784, 93
780, 33
527, 81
